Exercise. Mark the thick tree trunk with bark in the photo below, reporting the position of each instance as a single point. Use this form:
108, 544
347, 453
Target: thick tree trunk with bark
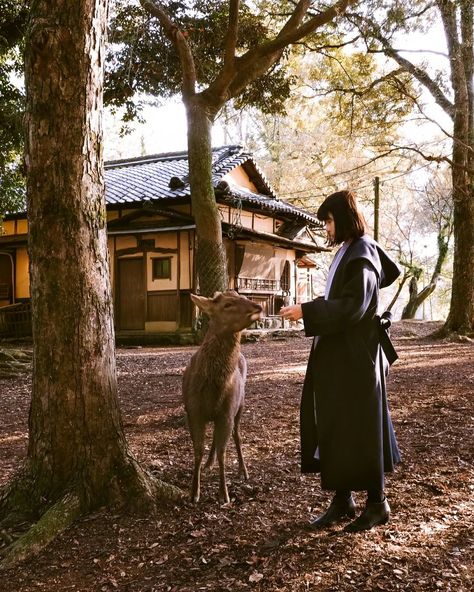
76, 436
77, 457
461, 312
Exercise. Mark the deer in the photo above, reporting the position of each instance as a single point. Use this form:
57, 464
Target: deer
214, 384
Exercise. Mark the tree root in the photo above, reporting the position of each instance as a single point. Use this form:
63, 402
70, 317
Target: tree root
453, 336
167, 492
14, 362
140, 492
53, 522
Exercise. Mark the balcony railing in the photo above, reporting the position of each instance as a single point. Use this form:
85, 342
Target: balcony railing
258, 284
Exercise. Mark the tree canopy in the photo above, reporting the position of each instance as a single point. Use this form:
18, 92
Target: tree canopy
142, 61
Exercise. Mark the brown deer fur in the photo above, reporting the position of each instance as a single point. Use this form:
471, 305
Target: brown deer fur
214, 383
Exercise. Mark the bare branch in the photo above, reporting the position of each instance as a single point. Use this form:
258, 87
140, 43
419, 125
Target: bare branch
430, 51
220, 86
292, 31
427, 157
360, 93
320, 48
296, 17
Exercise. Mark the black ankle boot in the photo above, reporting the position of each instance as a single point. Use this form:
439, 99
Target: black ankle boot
337, 511
375, 513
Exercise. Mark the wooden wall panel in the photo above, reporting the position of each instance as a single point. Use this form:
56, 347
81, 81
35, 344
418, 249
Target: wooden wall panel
162, 306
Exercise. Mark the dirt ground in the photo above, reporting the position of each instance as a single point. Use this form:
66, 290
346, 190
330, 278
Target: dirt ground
261, 541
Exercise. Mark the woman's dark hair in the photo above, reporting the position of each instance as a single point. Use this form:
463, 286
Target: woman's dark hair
349, 221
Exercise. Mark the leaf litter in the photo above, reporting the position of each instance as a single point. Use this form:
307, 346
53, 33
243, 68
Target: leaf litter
261, 540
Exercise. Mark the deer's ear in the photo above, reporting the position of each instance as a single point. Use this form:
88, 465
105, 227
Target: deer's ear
201, 302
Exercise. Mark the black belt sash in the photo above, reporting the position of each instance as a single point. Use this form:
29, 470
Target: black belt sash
384, 323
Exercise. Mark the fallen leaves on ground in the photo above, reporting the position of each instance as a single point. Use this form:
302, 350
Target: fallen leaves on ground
261, 541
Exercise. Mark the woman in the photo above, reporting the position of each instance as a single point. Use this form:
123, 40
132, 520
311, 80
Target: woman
346, 430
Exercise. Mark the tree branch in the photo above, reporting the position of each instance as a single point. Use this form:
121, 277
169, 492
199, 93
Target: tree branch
320, 48
296, 17
221, 83
232, 35
427, 157
360, 93
257, 60
430, 51
292, 31
177, 37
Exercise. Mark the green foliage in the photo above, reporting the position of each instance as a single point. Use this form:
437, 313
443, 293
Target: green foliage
13, 17
11, 138
12, 189
12, 26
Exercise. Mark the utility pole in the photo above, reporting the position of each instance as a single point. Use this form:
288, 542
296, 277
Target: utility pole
376, 207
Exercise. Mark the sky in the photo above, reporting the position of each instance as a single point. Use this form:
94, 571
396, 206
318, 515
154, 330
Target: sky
164, 131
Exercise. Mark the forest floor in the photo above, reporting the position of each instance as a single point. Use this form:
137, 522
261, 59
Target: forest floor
261, 540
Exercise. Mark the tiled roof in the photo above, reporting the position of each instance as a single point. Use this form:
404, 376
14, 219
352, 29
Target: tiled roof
148, 178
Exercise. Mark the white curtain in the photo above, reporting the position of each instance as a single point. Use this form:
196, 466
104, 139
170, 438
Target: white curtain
263, 262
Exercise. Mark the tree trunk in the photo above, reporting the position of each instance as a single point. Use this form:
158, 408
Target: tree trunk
417, 298
235, 74
461, 312
210, 259
76, 436
77, 455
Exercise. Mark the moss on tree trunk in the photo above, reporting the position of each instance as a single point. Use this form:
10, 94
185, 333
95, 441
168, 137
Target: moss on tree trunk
211, 262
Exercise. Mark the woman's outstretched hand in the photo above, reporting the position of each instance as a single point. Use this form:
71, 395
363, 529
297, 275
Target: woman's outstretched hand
293, 312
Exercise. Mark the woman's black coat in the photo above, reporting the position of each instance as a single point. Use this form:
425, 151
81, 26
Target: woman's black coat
346, 430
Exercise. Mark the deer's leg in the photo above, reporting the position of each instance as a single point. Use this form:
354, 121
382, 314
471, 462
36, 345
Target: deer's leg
242, 468
198, 431
222, 433
212, 454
